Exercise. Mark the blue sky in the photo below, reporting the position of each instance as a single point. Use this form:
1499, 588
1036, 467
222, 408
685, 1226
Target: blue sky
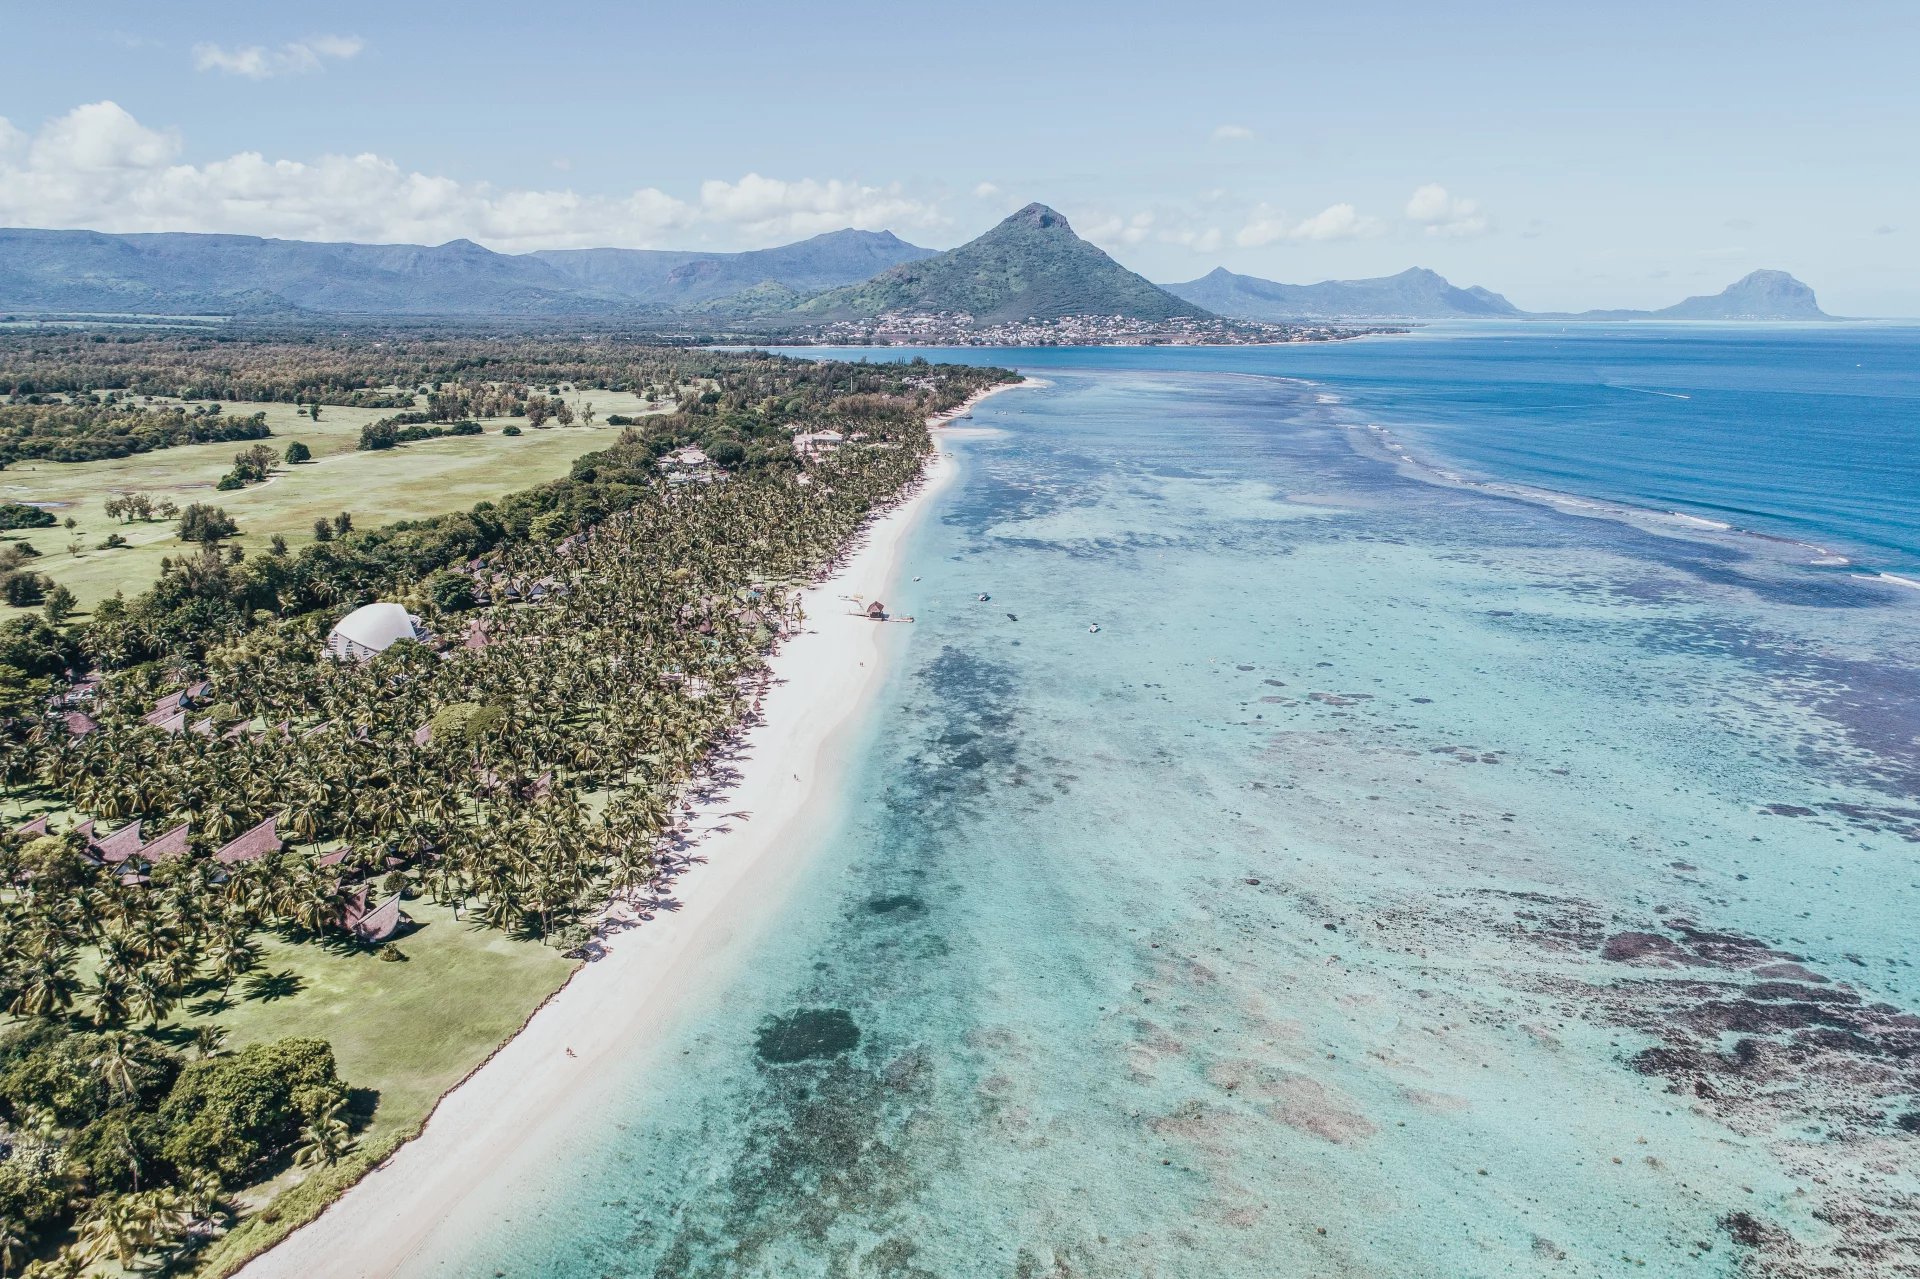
1568, 156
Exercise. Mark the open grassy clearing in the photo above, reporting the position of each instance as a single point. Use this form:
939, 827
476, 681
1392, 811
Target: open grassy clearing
428, 477
406, 1031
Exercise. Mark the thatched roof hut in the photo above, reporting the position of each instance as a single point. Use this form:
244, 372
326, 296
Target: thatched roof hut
370, 923
170, 845
118, 846
257, 842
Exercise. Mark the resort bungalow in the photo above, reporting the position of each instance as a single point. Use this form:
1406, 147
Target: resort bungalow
367, 922
877, 611
371, 630
257, 842
168, 846
117, 847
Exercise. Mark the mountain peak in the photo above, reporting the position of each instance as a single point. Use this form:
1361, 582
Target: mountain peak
1758, 295
1040, 216
1031, 266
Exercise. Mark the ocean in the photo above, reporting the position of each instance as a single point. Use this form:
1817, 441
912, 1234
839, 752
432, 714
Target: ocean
1347, 842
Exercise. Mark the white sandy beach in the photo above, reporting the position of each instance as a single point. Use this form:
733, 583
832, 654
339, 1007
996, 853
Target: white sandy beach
616, 1006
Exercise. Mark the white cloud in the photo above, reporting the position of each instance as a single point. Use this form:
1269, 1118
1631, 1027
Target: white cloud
98, 167
100, 137
1446, 215
772, 207
985, 191
296, 57
1335, 222
1111, 230
1199, 239
1234, 133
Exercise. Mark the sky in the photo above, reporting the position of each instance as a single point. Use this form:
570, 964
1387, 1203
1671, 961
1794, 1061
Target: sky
1568, 156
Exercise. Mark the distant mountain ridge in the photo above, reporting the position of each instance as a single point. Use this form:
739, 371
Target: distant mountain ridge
1415, 294
1031, 266
668, 277
184, 272
1419, 294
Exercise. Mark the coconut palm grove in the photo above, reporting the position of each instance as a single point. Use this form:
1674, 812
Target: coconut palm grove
209, 805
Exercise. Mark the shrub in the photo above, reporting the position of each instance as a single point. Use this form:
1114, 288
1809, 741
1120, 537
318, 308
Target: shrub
20, 515
298, 452
206, 524
509, 430
225, 1114
451, 592
59, 605
22, 589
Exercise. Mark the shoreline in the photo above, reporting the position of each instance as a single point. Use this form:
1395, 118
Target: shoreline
789, 764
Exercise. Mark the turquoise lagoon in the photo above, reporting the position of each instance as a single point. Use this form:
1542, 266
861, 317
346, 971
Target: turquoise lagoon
1405, 879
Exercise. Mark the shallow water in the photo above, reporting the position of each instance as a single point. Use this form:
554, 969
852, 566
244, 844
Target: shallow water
1402, 881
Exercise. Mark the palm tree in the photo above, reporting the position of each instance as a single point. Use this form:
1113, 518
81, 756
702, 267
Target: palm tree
13, 1245
234, 956
68, 1263
116, 1066
108, 998
324, 1139
149, 998
113, 1228
47, 983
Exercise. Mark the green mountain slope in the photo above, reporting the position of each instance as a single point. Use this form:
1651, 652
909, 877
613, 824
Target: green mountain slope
1030, 266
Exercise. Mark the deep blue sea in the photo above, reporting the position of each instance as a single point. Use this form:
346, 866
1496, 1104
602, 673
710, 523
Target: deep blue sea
1407, 877
1809, 432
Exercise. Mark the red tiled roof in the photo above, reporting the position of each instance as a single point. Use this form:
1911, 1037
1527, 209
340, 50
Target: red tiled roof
258, 842
171, 844
167, 721
33, 829
120, 845
371, 924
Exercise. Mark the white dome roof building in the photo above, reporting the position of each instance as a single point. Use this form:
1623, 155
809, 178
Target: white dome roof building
372, 629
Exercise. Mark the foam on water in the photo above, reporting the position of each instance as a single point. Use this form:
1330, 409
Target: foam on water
1405, 880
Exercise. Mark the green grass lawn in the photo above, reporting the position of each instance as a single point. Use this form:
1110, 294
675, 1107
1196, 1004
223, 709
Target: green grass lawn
428, 477
403, 1034
407, 1031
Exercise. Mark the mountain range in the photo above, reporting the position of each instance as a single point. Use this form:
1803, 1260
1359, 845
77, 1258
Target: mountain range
1412, 294
1419, 294
184, 273
1030, 266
